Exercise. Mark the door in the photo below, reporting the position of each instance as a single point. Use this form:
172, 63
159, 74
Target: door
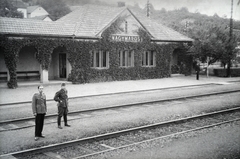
62, 66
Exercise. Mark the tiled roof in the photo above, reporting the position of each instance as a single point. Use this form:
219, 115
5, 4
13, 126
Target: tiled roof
72, 8
42, 17
87, 21
158, 31
91, 19
30, 9
34, 27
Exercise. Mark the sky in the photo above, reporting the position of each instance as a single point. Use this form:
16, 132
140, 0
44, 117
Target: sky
209, 7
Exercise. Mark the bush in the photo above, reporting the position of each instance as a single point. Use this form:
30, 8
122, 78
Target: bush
12, 83
220, 72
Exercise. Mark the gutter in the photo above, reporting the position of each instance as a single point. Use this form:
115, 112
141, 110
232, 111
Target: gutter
186, 41
51, 36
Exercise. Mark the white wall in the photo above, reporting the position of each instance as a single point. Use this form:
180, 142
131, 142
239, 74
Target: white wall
47, 19
53, 72
174, 58
27, 60
38, 12
54, 66
24, 11
3, 67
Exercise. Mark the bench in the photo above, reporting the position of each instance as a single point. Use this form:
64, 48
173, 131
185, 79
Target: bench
3, 76
28, 75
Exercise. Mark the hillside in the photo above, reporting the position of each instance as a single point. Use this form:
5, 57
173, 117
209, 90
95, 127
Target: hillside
180, 20
186, 22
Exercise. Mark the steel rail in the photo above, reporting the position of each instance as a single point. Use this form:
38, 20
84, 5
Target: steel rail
117, 133
154, 139
115, 93
125, 105
105, 108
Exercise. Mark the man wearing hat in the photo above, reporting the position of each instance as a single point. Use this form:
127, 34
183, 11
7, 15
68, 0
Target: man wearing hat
62, 98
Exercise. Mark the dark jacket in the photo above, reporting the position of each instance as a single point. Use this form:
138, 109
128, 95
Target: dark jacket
62, 98
39, 105
197, 68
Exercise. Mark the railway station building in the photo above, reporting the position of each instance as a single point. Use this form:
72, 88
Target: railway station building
90, 44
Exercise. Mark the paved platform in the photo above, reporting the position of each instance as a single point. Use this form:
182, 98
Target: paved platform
104, 121
26, 90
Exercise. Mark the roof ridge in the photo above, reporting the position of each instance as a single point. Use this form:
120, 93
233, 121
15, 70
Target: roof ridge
140, 22
30, 9
114, 18
167, 31
25, 19
78, 24
90, 21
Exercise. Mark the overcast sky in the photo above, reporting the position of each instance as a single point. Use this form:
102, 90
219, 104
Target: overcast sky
209, 7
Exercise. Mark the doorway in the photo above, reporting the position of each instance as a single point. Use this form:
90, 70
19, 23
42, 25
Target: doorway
62, 66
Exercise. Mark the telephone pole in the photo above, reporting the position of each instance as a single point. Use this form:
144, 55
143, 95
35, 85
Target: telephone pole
148, 8
230, 42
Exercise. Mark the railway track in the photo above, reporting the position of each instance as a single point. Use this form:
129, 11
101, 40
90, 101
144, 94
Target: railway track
22, 123
103, 143
128, 92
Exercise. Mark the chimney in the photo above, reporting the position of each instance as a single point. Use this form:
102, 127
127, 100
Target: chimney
121, 4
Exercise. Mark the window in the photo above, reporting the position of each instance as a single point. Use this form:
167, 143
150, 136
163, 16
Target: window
126, 58
100, 59
149, 58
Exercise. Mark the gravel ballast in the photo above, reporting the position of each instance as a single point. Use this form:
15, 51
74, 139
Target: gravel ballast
107, 121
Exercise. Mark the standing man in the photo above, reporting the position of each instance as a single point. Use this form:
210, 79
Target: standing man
197, 71
62, 98
39, 108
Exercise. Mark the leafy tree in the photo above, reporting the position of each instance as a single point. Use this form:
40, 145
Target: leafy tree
211, 33
8, 10
56, 8
149, 9
212, 43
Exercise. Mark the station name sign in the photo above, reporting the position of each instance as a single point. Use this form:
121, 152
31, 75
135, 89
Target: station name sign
126, 38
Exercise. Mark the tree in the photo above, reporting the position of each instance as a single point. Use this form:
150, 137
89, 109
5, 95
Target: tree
149, 9
214, 44
8, 10
56, 8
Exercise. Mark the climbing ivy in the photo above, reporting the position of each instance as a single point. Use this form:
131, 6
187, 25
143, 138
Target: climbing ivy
80, 56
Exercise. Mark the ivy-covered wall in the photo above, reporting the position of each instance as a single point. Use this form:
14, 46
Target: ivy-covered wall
82, 61
12, 46
183, 63
80, 57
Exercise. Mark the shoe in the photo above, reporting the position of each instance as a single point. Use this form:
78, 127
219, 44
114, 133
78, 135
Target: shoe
42, 136
59, 127
67, 125
36, 138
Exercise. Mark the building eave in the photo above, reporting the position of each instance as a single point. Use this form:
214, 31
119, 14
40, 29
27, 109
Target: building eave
158, 40
36, 35
50, 36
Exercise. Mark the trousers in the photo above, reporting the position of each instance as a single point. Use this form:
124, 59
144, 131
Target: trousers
64, 118
39, 121
62, 111
197, 75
